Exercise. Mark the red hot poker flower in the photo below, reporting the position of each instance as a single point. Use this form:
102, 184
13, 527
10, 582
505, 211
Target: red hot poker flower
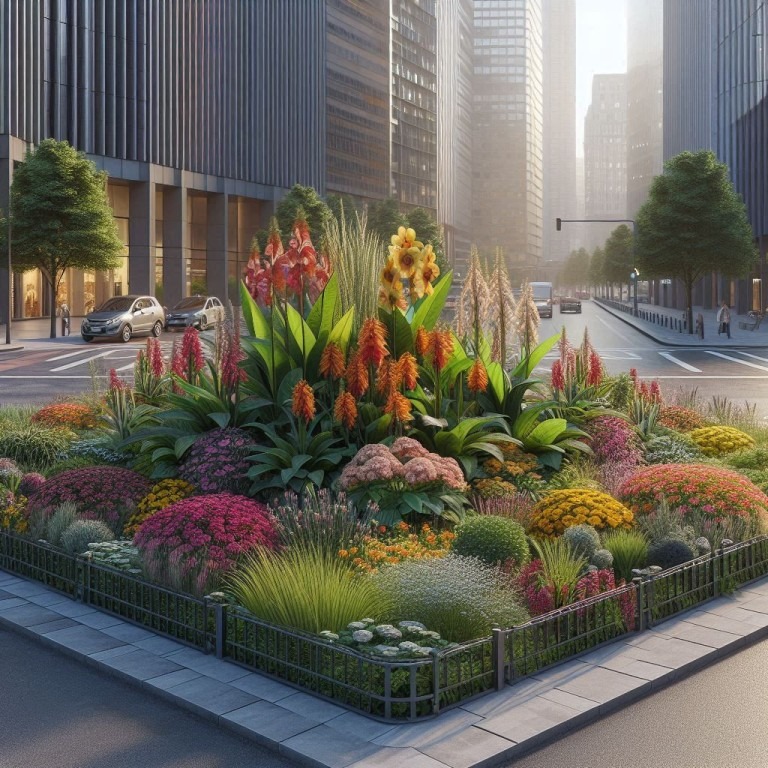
303, 401
345, 410
373, 342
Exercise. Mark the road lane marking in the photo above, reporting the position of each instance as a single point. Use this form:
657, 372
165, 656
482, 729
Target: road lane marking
673, 359
754, 357
737, 360
81, 362
69, 354
613, 328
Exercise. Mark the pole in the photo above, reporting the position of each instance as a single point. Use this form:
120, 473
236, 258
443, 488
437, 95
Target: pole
634, 266
9, 110
10, 277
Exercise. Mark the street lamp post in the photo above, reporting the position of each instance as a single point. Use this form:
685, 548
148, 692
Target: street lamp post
559, 226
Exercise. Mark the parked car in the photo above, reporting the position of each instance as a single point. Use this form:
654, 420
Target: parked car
122, 317
199, 311
570, 304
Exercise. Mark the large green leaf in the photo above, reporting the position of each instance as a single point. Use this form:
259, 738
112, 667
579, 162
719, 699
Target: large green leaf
399, 334
325, 308
527, 364
301, 340
429, 308
257, 324
342, 331
546, 433
496, 377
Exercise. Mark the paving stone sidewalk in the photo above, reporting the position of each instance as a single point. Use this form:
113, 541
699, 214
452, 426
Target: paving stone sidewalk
491, 730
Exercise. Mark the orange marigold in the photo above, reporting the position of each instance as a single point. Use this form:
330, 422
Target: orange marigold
399, 407
372, 343
422, 341
477, 378
303, 401
408, 370
345, 409
440, 348
356, 375
332, 361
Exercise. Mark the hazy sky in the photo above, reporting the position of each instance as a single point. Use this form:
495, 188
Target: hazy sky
601, 48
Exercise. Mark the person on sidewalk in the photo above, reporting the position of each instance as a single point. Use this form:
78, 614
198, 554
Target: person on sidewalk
699, 325
724, 320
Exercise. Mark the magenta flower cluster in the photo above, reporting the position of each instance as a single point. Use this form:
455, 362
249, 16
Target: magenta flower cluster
193, 543
31, 482
100, 493
406, 460
614, 441
217, 461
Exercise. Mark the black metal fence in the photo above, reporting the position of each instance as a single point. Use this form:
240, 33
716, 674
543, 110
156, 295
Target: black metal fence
391, 689
653, 315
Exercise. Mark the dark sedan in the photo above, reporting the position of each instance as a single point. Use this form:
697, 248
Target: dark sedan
570, 304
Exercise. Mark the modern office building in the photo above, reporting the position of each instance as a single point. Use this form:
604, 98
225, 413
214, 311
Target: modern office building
507, 182
645, 77
203, 115
454, 131
559, 45
605, 156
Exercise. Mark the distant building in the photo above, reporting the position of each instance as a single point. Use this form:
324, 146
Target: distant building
605, 157
559, 36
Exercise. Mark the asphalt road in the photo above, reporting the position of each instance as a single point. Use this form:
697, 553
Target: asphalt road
55, 711
713, 719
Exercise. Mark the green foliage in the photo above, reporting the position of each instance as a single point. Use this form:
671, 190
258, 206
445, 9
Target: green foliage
602, 559
753, 458
668, 553
384, 218
461, 598
315, 210
693, 216
596, 263
61, 215
492, 539
619, 259
305, 588
644, 415
81, 533
629, 549
64, 515
672, 448
71, 462
575, 271
620, 392
34, 446
560, 568
583, 540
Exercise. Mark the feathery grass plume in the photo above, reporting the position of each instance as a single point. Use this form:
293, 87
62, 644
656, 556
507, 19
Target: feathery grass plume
502, 308
355, 253
474, 302
527, 321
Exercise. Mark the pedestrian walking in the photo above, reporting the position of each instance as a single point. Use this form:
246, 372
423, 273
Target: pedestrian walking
64, 312
700, 325
724, 320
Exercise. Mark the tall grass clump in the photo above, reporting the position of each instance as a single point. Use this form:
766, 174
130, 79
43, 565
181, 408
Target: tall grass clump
35, 446
63, 516
461, 598
629, 550
560, 568
305, 588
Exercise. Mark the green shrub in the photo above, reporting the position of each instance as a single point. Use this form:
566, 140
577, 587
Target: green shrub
64, 515
669, 552
602, 559
81, 533
72, 462
35, 446
461, 598
753, 458
305, 588
583, 540
492, 539
629, 550
758, 476
671, 449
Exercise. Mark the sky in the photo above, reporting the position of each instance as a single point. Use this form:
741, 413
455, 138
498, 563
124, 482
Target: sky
601, 48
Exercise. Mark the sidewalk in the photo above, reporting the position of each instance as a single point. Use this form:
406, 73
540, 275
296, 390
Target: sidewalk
741, 338
491, 730
35, 334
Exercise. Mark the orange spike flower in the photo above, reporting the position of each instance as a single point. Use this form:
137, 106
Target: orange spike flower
345, 409
477, 378
356, 375
387, 379
303, 401
332, 361
408, 369
422, 341
399, 407
372, 343
440, 348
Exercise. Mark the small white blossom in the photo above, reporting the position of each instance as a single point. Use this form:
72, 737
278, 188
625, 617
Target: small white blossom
408, 646
356, 625
410, 625
328, 635
362, 636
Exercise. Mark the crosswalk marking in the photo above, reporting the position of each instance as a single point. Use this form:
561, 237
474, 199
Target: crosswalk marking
673, 359
69, 354
754, 357
81, 362
737, 360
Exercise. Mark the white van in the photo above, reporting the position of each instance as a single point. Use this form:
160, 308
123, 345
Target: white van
542, 298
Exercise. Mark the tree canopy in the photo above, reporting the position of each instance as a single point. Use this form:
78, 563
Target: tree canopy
61, 216
596, 262
618, 259
315, 210
575, 271
693, 223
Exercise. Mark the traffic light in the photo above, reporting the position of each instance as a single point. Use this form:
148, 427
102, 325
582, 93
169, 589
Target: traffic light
559, 224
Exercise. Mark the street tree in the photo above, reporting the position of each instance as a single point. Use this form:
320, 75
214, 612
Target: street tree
693, 223
575, 271
619, 259
306, 199
596, 263
384, 217
60, 216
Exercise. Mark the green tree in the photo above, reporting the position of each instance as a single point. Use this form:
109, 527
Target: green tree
316, 212
693, 223
384, 217
575, 271
596, 263
619, 259
61, 216
345, 205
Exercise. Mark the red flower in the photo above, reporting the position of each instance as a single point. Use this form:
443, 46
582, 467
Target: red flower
440, 348
356, 375
332, 361
477, 378
408, 370
372, 342
303, 401
345, 410
399, 407
558, 378
422, 341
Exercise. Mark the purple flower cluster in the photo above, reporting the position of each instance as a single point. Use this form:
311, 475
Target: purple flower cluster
192, 543
217, 462
31, 482
614, 441
101, 493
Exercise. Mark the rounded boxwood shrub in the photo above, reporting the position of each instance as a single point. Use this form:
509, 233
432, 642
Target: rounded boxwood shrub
161, 495
668, 553
715, 441
492, 539
30, 482
218, 462
583, 540
697, 490
192, 544
103, 493
70, 415
751, 458
81, 533
36, 446
563, 508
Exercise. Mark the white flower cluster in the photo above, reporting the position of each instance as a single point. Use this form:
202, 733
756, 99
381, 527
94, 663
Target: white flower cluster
361, 635
120, 554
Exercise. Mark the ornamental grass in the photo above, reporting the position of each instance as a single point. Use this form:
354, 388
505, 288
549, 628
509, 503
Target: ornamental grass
629, 550
560, 509
719, 440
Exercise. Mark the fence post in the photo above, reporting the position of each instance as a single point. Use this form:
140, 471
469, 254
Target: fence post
498, 657
220, 623
716, 560
639, 595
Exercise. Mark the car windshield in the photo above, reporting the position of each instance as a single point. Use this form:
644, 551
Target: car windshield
193, 302
116, 304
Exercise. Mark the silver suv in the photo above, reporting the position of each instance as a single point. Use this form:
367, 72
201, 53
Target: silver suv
124, 316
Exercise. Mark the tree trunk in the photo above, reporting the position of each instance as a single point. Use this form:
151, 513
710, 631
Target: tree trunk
689, 304
53, 318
